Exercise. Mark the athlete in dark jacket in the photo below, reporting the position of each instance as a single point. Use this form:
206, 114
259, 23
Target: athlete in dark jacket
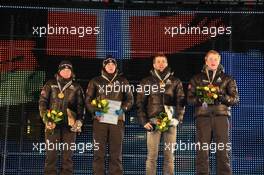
60, 94
159, 89
150, 104
110, 86
212, 116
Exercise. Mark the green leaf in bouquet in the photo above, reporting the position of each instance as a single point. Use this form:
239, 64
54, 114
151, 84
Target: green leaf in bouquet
56, 120
209, 101
163, 115
105, 110
199, 93
52, 117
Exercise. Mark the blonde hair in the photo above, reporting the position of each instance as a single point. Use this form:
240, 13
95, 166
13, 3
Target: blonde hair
212, 52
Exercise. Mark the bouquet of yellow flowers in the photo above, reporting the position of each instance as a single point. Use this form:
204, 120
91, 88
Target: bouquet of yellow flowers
207, 94
100, 105
162, 122
54, 116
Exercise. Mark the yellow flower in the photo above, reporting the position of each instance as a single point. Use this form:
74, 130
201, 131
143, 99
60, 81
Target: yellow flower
53, 112
165, 119
163, 124
206, 88
99, 105
48, 114
213, 89
60, 113
93, 102
104, 102
215, 96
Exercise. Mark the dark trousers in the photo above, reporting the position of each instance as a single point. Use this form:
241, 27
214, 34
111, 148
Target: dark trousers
216, 127
60, 135
113, 135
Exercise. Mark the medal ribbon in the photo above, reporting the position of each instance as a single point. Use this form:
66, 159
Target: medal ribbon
110, 81
162, 80
64, 87
207, 73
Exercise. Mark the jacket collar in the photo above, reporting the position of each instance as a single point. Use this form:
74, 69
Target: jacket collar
161, 75
110, 77
211, 78
220, 69
63, 81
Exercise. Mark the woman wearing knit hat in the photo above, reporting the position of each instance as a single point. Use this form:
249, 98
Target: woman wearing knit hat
104, 133
66, 96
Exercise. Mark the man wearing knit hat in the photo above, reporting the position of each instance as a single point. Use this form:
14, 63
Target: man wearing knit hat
64, 95
104, 133
109, 59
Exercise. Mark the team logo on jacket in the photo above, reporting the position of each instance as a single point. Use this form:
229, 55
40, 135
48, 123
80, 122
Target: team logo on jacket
219, 80
117, 82
54, 86
168, 82
71, 87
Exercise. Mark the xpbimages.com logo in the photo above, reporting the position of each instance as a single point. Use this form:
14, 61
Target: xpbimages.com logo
60, 146
80, 31
195, 30
117, 87
182, 146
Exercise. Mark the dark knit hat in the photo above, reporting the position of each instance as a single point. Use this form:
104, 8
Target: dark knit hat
65, 64
109, 59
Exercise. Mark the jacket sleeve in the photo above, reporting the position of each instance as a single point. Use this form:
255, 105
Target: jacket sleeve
231, 97
80, 104
90, 95
129, 99
180, 106
141, 105
44, 99
191, 94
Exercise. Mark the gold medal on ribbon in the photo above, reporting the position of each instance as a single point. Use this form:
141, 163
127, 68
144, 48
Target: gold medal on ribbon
162, 84
61, 95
